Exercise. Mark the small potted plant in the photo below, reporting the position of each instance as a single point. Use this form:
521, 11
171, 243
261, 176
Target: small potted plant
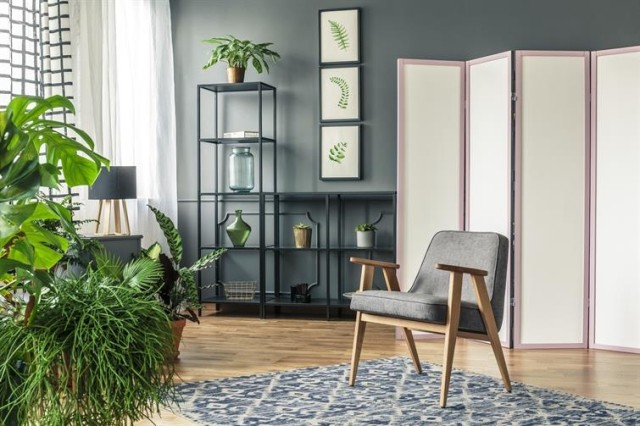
302, 235
365, 235
238, 54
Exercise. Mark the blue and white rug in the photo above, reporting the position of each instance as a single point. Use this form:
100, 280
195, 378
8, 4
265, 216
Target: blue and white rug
387, 392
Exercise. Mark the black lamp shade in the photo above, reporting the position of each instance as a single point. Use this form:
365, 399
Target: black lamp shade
118, 183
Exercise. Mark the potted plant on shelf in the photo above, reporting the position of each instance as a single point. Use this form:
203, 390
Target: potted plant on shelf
179, 291
365, 235
238, 54
302, 235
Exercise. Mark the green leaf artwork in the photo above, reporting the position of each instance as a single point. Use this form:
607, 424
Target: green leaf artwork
338, 152
340, 34
344, 91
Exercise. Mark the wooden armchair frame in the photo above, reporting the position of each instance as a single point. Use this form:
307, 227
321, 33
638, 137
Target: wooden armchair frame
449, 329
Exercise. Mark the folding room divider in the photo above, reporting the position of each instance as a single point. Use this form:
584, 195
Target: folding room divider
524, 169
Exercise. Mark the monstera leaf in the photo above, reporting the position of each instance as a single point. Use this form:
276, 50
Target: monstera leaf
37, 152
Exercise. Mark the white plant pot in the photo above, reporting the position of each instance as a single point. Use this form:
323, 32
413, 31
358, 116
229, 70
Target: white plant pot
365, 239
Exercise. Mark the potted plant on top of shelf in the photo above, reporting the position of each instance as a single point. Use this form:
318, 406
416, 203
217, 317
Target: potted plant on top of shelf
238, 54
365, 235
302, 235
179, 290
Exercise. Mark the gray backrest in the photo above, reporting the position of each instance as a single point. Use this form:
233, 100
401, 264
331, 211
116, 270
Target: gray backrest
481, 250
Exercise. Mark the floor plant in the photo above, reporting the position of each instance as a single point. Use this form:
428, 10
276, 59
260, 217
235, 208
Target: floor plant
96, 353
85, 348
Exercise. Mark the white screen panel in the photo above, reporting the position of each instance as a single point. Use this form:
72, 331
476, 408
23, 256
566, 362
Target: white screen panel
489, 154
617, 211
429, 152
553, 123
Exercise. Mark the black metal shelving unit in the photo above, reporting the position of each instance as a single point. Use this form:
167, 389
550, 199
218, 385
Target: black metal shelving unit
220, 196
329, 213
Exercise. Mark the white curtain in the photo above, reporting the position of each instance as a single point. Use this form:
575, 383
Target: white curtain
123, 60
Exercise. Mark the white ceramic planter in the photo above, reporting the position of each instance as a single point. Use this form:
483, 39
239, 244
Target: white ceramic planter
365, 239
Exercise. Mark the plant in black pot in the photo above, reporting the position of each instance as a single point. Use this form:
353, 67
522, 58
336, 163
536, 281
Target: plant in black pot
238, 54
179, 290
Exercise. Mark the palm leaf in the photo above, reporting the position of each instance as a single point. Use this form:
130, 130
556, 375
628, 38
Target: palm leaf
108, 264
142, 273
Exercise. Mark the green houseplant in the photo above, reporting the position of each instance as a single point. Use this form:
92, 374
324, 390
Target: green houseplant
76, 349
178, 291
96, 352
238, 54
27, 249
302, 235
365, 235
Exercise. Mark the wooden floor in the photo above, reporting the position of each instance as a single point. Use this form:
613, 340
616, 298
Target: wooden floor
224, 346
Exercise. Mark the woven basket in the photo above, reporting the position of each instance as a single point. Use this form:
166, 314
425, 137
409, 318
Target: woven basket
239, 290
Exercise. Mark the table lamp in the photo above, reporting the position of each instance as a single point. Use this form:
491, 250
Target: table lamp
113, 185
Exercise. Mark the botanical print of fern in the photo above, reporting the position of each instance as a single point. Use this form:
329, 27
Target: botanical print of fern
338, 152
340, 34
344, 89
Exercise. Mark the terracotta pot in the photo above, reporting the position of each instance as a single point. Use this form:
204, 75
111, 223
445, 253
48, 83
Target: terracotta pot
177, 328
235, 75
302, 237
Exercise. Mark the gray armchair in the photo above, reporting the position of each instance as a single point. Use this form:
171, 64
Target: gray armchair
459, 291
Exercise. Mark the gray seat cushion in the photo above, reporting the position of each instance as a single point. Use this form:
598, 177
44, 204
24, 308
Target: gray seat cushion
426, 300
415, 306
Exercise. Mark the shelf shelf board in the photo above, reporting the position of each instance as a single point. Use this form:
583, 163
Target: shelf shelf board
251, 194
286, 301
250, 86
354, 248
222, 300
291, 248
229, 248
237, 140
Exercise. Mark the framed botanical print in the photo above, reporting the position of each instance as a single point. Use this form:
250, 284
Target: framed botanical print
339, 36
340, 94
340, 152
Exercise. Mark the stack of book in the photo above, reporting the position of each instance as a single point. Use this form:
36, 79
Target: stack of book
241, 134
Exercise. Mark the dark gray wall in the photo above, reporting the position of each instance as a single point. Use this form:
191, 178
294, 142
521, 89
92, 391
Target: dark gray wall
391, 29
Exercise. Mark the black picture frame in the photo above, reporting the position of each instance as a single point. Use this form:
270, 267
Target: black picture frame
339, 36
340, 152
340, 94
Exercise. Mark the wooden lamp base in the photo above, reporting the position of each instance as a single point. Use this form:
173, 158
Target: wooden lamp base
113, 206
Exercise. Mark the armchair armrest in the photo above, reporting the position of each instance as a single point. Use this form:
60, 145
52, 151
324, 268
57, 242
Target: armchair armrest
368, 267
378, 263
461, 269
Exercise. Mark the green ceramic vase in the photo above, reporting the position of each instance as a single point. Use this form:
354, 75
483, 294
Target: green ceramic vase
239, 230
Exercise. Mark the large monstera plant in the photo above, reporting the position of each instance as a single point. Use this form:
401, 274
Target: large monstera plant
37, 152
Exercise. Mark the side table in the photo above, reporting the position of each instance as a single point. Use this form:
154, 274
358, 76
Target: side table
126, 247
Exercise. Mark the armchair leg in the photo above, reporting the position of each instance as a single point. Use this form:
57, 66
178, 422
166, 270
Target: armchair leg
453, 318
358, 338
411, 344
492, 330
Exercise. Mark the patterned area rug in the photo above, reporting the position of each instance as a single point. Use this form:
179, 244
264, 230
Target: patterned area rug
387, 392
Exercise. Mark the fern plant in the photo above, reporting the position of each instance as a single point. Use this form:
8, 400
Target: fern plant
340, 34
338, 152
179, 290
343, 102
